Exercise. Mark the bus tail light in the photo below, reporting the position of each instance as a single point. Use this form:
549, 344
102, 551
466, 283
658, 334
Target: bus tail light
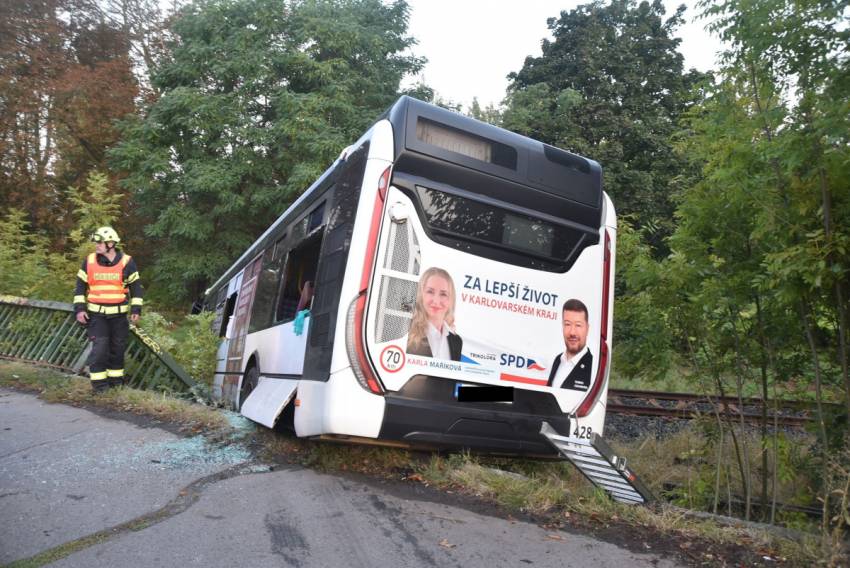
356, 348
354, 330
593, 395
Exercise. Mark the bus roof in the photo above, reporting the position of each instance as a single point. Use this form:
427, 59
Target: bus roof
446, 135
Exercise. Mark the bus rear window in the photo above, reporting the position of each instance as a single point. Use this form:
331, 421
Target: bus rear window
455, 217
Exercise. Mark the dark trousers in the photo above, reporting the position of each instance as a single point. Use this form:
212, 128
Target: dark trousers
108, 335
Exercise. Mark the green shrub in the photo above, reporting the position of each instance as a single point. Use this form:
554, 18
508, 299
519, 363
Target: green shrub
159, 329
196, 350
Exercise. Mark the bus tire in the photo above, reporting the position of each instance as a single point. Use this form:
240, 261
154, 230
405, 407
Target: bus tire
249, 383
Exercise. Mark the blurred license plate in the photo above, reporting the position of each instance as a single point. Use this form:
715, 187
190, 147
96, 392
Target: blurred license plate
483, 393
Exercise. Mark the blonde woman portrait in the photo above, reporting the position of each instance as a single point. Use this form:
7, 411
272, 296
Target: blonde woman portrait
432, 330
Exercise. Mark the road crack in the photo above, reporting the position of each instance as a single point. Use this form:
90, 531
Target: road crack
185, 498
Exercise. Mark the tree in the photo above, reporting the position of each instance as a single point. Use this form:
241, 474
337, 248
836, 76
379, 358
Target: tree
489, 113
143, 23
32, 54
257, 97
65, 77
755, 285
611, 86
805, 54
29, 267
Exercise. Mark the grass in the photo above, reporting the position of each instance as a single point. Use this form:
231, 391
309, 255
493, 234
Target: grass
676, 379
57, 387
552, 492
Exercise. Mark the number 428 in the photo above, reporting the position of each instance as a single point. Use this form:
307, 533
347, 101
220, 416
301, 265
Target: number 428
582, 432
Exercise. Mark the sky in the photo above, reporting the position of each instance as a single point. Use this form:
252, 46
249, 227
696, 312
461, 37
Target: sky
472, 45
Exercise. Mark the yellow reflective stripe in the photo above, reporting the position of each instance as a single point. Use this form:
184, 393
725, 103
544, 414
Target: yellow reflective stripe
108, 309
125, 260
79, 299
137, 302
132, 278
82, 275
99, 376
115, 372
114, 287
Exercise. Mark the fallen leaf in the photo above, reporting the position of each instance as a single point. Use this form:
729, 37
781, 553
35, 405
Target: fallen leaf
446, 544
554, 537
414, 477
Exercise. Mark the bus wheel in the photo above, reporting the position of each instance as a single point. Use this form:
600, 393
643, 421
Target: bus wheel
249, 383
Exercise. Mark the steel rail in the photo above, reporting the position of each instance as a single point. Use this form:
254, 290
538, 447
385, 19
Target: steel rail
730, 400
688, 414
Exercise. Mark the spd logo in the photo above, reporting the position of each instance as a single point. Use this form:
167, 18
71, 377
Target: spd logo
520, 362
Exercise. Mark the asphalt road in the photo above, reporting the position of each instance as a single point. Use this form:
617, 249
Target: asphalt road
82, 490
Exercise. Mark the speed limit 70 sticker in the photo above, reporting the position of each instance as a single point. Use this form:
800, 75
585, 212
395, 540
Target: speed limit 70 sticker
392, 358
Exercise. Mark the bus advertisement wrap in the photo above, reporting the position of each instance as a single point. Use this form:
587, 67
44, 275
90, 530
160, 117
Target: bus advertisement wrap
437, 313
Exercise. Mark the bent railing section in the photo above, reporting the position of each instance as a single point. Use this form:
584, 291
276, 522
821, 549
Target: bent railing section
47, 333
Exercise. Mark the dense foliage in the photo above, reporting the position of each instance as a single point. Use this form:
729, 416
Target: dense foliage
65, 76
257, 98
611, 85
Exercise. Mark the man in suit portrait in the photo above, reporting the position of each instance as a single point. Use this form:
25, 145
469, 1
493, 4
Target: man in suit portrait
571, 368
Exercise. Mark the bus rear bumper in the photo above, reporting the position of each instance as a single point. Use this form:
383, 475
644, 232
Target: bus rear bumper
455, 425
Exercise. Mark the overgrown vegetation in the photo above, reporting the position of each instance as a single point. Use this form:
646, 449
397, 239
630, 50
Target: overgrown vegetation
733, 250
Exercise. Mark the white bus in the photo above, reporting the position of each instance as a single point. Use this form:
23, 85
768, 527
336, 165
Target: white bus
428, 290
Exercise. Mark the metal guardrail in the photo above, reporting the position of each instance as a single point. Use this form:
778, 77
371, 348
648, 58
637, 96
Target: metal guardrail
47, 333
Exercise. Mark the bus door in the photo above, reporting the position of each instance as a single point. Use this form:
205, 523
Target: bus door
223, 323
236, 350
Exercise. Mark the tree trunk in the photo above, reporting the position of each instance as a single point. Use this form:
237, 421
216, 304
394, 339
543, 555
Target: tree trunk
743, 455
740, 458
775, 454
719, 466
839, 296
805, 312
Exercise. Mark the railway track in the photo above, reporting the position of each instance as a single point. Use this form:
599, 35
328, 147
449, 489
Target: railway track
685, 406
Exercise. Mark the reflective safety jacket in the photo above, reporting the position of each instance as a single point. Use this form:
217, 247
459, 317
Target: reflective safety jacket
106, 283
103, 286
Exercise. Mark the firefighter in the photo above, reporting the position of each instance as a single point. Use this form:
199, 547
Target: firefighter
114, 291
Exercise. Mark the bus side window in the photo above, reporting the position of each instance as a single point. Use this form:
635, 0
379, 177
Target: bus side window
265, 295
300, 269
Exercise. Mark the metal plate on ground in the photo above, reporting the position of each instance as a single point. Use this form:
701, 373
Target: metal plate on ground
596, 460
